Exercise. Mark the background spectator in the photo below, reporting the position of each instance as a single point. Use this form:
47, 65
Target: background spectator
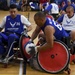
17, 2
41, 2
24, 5
34, 4
68, 4
53, 9
3, 5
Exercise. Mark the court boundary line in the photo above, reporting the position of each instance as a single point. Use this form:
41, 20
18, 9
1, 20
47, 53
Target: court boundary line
21, 68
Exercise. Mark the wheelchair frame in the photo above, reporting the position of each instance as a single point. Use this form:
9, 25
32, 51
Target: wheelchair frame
14, 56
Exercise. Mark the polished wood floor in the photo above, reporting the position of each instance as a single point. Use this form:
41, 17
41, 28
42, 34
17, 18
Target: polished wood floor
16, 68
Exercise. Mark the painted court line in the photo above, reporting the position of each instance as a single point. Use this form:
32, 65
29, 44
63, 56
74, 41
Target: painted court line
21, 68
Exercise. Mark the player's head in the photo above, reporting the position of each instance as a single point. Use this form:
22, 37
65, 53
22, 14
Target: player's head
40, 18
13, 10
70, 11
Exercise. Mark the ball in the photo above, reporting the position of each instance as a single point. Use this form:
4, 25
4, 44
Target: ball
28, 49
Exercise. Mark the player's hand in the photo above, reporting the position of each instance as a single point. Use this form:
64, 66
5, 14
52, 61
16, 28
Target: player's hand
31, 48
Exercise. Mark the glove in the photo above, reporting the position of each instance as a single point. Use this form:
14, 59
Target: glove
30, 48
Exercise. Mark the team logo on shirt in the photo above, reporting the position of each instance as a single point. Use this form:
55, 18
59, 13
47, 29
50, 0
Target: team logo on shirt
13, 24
68, 21
71, 22
16, 23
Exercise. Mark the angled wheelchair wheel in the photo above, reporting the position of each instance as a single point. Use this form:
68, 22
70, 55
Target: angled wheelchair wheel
54, 60
23, 40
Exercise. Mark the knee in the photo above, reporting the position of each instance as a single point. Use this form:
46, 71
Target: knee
13, 36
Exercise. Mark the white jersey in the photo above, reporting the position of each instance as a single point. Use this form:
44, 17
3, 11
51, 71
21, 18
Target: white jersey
68, 23
55, 8
24, 21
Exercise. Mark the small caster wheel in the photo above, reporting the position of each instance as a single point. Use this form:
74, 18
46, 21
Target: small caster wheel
68, 71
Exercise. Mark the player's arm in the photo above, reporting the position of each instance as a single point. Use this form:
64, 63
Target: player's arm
49, 34
35, 33
48, 9
26, 23
60, 19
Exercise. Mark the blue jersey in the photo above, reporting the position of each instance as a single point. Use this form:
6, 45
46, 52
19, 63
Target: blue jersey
60, 19
59, 31
64, 8
14, 25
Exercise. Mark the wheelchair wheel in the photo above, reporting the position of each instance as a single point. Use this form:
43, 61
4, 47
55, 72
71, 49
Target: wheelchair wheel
23, 40
54, 60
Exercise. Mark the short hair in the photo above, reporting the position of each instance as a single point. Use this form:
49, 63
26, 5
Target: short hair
70, 7
12, 6
40, 14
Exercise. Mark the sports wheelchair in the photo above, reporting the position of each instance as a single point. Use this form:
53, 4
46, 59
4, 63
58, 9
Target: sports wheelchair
7, 57
54, 60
